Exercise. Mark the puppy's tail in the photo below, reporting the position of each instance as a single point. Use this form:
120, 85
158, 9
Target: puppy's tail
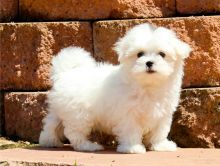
69, 58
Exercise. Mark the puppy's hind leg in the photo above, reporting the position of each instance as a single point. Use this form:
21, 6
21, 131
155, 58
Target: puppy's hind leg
77, 135
50, 135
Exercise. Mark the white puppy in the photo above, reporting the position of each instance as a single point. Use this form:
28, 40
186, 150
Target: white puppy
134, 101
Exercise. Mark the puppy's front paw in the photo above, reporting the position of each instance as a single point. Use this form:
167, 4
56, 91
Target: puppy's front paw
165, 145
138, 148
49, 140
88, 146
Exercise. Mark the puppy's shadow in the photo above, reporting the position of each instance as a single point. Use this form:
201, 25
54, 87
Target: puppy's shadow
108, 150
65, 148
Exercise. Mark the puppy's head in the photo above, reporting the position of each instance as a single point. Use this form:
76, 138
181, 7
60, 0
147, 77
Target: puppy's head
151, 54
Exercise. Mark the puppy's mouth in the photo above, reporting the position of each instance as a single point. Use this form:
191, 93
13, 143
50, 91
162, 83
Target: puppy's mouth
150, 71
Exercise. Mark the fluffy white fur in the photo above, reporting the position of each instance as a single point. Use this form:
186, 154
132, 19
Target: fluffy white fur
133, 101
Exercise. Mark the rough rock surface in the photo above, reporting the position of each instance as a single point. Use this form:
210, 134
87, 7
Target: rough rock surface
196, 123
27, 49
198, 6
8, 10
24, 112
202, 33
94, 9
1, 113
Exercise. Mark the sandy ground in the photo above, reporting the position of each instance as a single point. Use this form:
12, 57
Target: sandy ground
66, 156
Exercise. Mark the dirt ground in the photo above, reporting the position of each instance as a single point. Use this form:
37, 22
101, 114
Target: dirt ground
66, 156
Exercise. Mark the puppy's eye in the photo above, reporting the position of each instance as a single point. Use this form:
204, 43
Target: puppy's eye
162, 54
140, 54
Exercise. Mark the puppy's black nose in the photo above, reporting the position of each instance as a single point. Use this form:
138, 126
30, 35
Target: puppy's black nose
149, 64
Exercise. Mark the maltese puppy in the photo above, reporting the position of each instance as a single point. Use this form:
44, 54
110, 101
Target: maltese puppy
134, 101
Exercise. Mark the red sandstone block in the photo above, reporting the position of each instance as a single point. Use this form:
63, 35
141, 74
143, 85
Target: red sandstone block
24, 112
195, 124
202, 33
27, 48
94, 9
1, 113
197, 121
8, 10
198, 6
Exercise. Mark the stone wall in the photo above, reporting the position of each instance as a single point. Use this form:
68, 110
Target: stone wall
32, 32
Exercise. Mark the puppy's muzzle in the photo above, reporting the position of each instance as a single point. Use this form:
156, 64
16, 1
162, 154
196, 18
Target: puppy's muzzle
149, 65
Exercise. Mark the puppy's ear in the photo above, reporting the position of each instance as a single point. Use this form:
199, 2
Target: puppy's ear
182, 48
120, 47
